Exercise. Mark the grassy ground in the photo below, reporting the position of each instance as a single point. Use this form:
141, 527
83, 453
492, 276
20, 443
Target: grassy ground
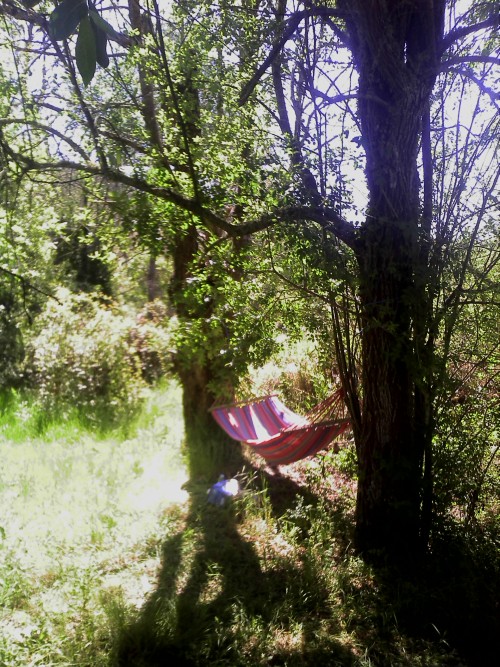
106, 560
81, 528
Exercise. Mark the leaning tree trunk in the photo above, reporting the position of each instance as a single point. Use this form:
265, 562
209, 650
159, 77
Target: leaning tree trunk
394, 47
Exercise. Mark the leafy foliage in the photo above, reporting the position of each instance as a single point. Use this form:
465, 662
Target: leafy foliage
66, 17
90, 357
27, 270
384, 282
92, 38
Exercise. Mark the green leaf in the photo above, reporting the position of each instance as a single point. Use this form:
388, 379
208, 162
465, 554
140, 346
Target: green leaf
85, 51
99, 22
101, 42
65, 18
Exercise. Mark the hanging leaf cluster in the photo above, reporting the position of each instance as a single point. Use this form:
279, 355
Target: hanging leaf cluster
92, 38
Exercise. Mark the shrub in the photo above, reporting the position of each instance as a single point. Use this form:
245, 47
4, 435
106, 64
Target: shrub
295, 373
83, 357
152, 341
466, 458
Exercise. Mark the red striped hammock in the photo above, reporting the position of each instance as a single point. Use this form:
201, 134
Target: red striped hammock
277, 433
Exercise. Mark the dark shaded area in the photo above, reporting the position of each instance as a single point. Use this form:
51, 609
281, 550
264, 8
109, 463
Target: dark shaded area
451, 601
79, 250
12, 304
455, 596
258, 594
450, 598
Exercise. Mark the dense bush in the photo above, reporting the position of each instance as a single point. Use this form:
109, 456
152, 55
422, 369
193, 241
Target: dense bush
466, 470
295, 373
90, 357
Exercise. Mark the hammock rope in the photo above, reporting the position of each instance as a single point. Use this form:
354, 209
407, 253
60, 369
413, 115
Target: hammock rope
278, 434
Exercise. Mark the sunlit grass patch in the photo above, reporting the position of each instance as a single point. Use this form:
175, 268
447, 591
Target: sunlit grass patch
77, 514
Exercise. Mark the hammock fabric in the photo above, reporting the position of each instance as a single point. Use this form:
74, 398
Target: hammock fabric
277, 433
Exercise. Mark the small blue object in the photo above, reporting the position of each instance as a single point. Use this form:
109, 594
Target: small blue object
221, 490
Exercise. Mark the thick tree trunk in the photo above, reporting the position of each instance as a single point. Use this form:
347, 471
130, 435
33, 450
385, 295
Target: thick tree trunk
390, 447
389, 450
394, 47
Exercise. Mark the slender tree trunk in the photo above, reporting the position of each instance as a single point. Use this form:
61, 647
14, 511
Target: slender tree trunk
152, 279
210, 452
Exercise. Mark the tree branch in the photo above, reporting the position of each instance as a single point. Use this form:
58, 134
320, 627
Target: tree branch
291, 26
457, 60
492, 94
51, 130
13, 10
492, 21
27, 284
326, 217
10, 8
248, 88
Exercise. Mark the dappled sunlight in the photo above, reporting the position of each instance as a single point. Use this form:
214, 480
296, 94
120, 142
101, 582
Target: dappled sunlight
104, 546
61, 497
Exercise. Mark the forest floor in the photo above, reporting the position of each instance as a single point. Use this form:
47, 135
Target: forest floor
110, 557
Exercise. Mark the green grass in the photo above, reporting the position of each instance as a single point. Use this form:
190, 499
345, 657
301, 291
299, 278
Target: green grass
106, 561
82, 518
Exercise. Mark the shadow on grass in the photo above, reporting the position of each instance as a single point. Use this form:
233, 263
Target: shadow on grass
224, 597
455, 597
447, 611
221, 601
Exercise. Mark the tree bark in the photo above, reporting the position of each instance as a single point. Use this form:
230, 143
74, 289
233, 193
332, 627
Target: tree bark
389, 450
394, 46
152, 279
210, 452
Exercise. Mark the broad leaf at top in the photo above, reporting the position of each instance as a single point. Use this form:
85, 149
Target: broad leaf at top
85, 51
65, 18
